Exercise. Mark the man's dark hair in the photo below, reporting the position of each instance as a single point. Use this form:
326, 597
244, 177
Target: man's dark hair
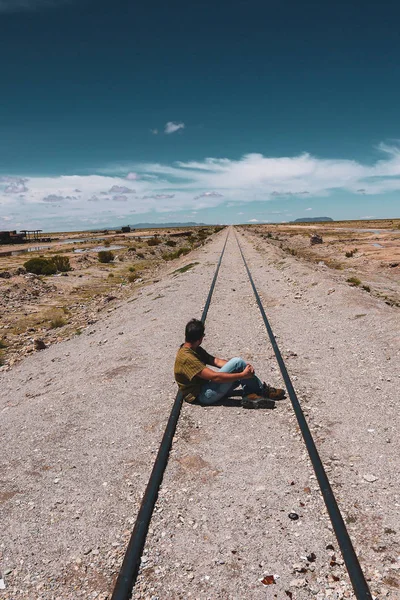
194, 331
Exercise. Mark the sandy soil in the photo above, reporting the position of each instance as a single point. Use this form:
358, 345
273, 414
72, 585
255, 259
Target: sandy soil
58, 307
365, 251
82, 421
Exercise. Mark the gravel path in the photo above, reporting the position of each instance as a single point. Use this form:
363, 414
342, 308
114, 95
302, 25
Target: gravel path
81, 423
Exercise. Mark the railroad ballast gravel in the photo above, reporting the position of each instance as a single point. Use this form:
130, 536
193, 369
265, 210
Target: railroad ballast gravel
82, 420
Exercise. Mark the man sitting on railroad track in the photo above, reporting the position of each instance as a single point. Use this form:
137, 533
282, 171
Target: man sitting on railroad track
199, 383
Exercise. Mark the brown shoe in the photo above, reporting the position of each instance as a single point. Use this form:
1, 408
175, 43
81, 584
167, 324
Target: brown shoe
272, 393
257, 401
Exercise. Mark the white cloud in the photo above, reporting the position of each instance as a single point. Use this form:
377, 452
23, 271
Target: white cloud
120, 189
158, 197
154, 131
209, 195
193, 185
15, 188
308, 208
288, 194
255, 177
171, 127
52, 198
253, 221
14, 185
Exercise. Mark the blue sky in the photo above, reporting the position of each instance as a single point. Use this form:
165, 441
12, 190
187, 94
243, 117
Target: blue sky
242, 111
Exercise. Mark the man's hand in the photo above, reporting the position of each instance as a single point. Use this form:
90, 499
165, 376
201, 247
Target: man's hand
247, 373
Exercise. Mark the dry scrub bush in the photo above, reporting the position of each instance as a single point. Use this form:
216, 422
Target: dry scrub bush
354, 281
40, 266
186, 268
351, 253
176, 254
3, 345
105, 256
155, 241
57, 322
61, 263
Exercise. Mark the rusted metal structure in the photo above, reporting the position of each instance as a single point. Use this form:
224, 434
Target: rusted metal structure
32, 235
12, 237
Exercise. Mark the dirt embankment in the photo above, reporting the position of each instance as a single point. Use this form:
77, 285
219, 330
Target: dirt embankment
366, 253
52, 308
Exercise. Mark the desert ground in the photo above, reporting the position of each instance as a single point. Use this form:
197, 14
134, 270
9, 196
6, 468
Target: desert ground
367, 251
57, 307
83, 418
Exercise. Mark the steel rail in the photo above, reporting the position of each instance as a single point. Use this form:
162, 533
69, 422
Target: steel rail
350, 558
130, 567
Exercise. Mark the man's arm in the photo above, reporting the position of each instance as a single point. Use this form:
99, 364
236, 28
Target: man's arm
209, 359
219, 362
218, 377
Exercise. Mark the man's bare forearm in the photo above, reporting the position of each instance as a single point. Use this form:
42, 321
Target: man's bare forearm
219, 362
222, 377
226, 377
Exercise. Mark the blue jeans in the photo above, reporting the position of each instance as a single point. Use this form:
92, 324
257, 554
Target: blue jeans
212, 392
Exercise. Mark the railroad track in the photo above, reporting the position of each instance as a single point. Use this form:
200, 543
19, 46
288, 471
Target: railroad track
130, 567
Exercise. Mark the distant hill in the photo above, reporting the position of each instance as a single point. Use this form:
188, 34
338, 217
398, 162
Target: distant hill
312, 219
164, 225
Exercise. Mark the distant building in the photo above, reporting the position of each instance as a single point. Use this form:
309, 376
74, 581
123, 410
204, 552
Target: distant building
126, 229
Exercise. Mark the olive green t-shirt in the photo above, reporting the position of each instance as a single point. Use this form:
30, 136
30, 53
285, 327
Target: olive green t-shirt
188, 364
